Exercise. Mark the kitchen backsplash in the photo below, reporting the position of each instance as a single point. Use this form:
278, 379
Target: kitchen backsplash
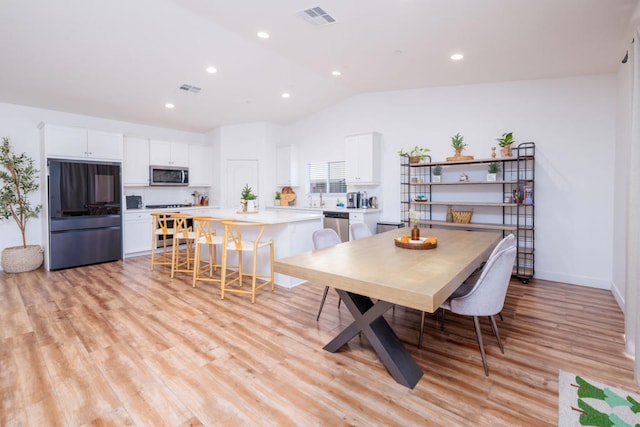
161, 195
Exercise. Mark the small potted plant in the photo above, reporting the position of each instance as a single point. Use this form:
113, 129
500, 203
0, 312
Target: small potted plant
505, 142
248, 199
492, 171
437, 173
277, 199
18, 178
416, 155
457, 142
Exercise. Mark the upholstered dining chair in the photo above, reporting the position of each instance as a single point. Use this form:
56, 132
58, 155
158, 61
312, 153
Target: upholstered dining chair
206, 268
359, 230
162, 226
487, 296
241, 237
468, 284
323, 239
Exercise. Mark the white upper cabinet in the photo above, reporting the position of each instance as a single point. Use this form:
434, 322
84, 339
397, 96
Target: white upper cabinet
135, 166
164, 153
200, 166
362, 156
72, 142
286, 165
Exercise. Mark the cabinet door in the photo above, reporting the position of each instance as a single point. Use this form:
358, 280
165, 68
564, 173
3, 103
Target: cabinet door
135, 166
199, 166
104, 145
286, 165
179, 154
160, 153
362, 155
61, 141
137, 233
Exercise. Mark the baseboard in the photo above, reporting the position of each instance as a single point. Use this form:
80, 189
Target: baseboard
587, 281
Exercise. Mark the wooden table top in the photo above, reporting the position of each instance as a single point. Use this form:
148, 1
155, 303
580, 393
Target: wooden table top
377, 268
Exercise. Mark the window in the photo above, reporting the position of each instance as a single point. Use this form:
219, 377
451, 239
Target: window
327, 177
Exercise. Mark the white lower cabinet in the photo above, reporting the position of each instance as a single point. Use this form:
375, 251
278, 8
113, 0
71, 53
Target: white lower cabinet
137, 233
370, 218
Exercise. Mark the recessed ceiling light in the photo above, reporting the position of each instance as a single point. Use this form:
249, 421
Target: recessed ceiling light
457, 56
211, 70
286, 95
263, 34
169, 105
336, 73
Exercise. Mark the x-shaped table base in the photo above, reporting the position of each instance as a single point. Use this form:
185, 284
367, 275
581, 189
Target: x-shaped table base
368, 320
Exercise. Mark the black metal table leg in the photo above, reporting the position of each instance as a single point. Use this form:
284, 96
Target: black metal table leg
368, 319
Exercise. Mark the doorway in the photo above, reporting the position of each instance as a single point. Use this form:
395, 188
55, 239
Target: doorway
239, 174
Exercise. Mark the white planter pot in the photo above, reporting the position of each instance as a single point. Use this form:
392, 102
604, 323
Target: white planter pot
436, 178
252, 205
492, 177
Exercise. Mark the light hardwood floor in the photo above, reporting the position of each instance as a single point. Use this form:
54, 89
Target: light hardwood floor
116, 344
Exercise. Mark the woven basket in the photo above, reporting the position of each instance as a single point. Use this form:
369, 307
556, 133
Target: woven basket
18, 259
462, 217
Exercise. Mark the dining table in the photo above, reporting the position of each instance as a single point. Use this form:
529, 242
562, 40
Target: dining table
373, 274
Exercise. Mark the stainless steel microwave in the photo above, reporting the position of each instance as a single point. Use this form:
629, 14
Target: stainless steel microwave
168, 176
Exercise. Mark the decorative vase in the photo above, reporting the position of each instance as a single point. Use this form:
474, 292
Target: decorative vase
415, 233
243, 203
252, 205
19, 259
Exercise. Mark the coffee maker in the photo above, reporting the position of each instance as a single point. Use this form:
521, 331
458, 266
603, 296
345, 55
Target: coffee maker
364, 200
353, 200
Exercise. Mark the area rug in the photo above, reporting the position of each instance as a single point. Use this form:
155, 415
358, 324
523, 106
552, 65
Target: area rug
583, 402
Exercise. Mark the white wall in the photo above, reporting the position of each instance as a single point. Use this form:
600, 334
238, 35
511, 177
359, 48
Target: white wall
572, 121
20, 124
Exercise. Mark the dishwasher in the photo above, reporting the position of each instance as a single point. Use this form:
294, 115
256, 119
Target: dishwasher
339, 222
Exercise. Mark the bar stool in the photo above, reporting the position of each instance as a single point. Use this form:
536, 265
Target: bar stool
234, 241
182, 233
162, 225
204, 269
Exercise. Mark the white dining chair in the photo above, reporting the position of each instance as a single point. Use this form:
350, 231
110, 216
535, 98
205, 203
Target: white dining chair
487, 296
359, 230
468, 284
323, 239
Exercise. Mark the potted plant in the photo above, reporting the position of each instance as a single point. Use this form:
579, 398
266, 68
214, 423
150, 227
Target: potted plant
492, 171
505, 143
277, 199
457, 142
19, 178
437, 172
248, 199
416, 155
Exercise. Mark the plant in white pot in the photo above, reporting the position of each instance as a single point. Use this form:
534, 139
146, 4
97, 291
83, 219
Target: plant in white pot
492, 171
248, 199
18, 178
437, 173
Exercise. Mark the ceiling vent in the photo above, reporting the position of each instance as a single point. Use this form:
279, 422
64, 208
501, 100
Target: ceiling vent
190, 88
316, 16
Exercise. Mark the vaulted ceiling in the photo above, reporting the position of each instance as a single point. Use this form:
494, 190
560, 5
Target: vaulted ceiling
125, 59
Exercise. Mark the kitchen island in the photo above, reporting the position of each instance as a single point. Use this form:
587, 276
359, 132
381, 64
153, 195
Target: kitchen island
291, 232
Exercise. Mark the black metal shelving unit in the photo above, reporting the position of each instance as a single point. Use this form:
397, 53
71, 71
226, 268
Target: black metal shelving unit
506, 204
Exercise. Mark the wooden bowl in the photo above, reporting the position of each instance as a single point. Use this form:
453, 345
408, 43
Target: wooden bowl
414, 244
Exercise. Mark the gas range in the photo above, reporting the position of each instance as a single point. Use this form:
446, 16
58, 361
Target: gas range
169, 206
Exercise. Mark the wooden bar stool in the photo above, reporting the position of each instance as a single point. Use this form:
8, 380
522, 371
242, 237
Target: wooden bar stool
234, 241
204, 269
182, 233
161, 226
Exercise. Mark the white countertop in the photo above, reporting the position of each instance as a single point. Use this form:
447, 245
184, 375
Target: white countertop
266, 216
321, 209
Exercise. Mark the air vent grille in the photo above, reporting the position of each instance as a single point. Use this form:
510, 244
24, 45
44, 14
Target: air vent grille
190, 88
316, 16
